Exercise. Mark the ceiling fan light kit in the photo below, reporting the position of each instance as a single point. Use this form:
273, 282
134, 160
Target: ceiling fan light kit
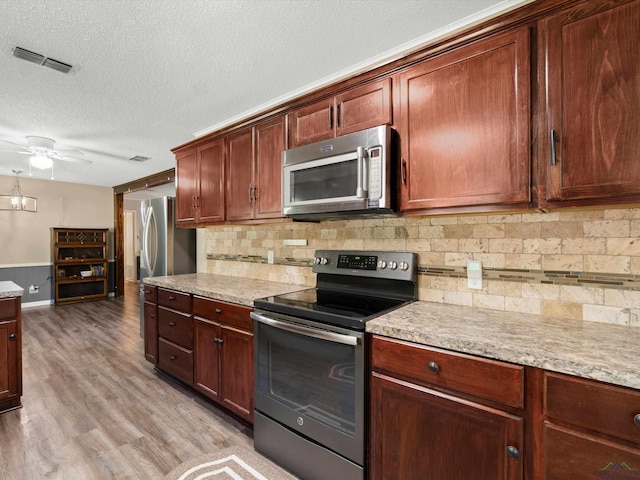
17, 200
41, 160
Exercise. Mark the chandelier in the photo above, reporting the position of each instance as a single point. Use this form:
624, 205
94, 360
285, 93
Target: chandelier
16, 200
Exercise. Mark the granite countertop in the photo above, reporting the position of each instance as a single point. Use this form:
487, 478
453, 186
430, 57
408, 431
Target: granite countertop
593, 350
220, 287
10, 289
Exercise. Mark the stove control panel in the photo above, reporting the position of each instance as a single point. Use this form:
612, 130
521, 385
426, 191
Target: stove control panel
375, 264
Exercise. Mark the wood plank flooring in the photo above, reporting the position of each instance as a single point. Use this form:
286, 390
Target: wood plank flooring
93, 408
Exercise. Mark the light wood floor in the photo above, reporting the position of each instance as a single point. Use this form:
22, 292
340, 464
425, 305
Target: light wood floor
93, 408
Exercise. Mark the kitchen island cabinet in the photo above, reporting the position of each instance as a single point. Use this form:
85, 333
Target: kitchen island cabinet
435, 411
175, 334
150, 314
464, 127
590, 96
10, 346
358, 108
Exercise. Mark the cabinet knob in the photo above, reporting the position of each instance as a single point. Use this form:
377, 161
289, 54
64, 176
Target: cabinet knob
219, 341
434, 367
152, 316
218, 311
172, 357
172, 324
636, 419
513, 452
13, 336
171, 297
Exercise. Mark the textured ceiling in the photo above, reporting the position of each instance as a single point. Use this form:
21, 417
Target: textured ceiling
150, 74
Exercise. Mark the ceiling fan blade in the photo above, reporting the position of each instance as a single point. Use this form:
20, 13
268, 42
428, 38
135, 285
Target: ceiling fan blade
8, 144
69, 151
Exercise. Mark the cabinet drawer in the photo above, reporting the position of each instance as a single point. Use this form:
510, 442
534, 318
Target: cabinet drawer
176, 360
150, 293
489, 379
222, 312
175, 327
593, 405
8, 309
176, 300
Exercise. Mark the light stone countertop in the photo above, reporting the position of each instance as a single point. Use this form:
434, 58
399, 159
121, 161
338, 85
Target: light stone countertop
10, 289
220, 287
605, 352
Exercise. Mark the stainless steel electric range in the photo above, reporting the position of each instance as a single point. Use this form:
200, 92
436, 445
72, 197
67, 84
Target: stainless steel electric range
310, 361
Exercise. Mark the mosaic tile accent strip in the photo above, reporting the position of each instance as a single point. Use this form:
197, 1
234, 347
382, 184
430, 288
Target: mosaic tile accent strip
552, 277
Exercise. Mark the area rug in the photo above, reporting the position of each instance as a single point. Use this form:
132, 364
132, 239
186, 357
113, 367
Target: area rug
234, 463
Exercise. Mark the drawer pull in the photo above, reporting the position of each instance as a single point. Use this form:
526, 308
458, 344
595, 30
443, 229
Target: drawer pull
172, 357
636, 419
513, 452
434, 367
171, 297
147, 292
152, 316
172, 324
218, 311
13, 337
219, 341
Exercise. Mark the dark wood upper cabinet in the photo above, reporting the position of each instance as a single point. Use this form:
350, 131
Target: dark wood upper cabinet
240, 175
254, 181
200, 185
464, 126
591, 95
186, 187
356, 109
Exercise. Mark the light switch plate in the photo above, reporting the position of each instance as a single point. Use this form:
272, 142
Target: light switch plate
270, 256
474, 274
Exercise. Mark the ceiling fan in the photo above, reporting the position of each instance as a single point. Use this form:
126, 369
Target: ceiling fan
42, 153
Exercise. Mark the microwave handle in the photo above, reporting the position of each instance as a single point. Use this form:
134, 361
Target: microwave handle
361, 192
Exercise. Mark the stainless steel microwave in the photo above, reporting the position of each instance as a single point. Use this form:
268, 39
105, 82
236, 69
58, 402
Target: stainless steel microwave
345, 176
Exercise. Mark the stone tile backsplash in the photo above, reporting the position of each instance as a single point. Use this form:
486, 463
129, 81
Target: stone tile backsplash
581, 264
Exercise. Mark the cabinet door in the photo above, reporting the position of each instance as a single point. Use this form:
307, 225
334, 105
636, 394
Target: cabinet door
210, 200
418, 433
269, 144
240, 175
186, 187
8, 360
573, 455
151, 332
465, 126
312, 123
237, 371
206, 358
593, 85
364, 107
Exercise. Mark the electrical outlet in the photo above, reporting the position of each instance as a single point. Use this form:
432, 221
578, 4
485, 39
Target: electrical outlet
270, 256
33, 289
474, 274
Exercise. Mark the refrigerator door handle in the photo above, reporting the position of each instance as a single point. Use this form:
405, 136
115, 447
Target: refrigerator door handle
150, 241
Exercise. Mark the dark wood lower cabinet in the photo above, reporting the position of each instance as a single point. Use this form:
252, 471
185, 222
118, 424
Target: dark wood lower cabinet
10, 353
419, 433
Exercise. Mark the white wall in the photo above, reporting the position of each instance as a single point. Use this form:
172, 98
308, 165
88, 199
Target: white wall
25, 238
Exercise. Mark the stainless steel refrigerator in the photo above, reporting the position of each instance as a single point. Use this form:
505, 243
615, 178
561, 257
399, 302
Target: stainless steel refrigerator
164, 249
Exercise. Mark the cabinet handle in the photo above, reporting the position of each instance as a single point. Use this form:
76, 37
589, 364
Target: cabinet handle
172, 324
434, 367
338, 115
250, 189
172, 357
513, 452
404, 171
12, 336
218, 311
255, 194
636, 419
147, 292
219, 341
331, 116
171, 297
552, 144
152, 316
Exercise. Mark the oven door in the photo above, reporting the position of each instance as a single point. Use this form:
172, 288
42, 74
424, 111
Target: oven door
310, 378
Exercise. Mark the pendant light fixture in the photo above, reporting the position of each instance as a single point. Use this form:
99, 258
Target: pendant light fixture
16, 200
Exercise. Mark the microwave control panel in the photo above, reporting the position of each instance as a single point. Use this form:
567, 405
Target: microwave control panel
375, 173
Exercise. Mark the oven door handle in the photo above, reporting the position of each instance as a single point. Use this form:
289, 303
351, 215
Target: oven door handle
309, 332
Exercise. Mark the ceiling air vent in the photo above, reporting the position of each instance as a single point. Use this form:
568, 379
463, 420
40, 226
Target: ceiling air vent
139, 158
33, 57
